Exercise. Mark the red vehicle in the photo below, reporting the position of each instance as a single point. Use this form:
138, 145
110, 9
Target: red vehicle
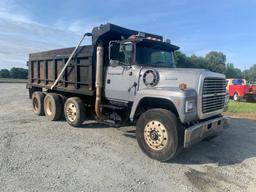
240, 90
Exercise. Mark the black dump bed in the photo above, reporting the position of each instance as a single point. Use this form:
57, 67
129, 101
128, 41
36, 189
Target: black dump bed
78, 77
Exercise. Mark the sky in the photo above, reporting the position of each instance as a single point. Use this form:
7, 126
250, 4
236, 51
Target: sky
196, 26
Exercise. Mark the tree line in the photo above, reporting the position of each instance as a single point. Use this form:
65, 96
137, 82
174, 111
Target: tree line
16, 73
214, 61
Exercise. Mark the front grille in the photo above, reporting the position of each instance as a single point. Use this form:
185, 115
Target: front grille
214, 91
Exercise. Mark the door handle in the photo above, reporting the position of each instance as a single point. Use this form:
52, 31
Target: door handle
134, 85
108, 81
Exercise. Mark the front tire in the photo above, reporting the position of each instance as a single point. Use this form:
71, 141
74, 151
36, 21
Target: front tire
236, 97
74, 111
159, 134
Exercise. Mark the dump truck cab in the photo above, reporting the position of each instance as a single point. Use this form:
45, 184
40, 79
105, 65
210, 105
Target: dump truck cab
126, 60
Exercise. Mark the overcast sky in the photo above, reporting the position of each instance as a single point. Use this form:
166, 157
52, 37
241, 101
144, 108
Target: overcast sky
196, 26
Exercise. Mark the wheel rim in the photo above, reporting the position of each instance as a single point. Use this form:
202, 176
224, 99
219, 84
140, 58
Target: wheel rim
71, 112
235, 97
48, 107
35, 104
155, 135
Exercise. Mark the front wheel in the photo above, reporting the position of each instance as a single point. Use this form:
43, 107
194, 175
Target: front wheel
236, 97
159, 134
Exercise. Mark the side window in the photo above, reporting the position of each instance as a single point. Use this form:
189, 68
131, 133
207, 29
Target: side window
114, 51
121, 53
125, 54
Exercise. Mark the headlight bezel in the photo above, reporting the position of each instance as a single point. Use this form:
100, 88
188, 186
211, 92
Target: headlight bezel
189, 106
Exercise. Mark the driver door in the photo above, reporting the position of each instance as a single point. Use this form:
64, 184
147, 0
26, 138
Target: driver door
119, 72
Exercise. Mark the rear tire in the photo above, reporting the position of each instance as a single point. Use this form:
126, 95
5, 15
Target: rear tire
63, 100
254, 98
38, 103
74, 111
53, 107
159, 134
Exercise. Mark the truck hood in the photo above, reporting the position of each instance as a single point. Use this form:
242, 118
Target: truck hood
172, 77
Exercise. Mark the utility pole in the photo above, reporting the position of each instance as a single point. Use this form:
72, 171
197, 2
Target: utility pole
244, 71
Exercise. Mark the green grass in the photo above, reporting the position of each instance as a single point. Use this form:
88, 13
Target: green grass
9, 80
241, 107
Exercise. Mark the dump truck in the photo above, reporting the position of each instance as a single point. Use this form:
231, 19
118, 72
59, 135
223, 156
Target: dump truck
129, 77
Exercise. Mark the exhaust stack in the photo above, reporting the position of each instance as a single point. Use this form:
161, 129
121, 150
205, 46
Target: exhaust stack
98, 82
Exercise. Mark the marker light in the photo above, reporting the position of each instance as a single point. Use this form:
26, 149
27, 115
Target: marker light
183, 86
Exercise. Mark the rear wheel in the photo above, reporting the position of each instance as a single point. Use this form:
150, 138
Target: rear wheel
63, 99
236, 97
74, 111
254, 98
159, 134
53, 107
38, 103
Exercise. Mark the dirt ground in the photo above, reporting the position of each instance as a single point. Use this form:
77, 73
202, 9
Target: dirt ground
39, 155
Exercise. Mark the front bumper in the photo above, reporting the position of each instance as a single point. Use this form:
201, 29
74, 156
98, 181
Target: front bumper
204, 129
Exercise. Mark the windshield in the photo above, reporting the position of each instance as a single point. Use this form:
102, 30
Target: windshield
154, 55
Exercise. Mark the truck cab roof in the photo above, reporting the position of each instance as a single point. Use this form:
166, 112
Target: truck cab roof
109, 32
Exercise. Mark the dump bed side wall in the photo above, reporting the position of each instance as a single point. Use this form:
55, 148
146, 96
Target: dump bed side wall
78, 77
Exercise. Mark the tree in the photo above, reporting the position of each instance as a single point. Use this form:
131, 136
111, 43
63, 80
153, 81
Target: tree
181, 60
216, 61
18, 73
198, 62
232, 72
4, 73
215, 58
251, 73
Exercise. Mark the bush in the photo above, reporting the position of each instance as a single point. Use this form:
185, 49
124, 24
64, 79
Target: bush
18, 73
4, 73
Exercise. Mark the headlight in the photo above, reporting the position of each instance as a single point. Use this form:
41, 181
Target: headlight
189, 106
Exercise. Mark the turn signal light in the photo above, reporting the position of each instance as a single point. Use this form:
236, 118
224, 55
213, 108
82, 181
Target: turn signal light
183, 86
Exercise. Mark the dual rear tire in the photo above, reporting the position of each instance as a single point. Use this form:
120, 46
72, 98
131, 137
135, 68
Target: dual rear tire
55, 106
38, 103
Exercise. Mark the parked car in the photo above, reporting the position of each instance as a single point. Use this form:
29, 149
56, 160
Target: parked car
240, 89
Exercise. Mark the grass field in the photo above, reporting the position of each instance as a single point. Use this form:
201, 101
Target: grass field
8, 80
241, 107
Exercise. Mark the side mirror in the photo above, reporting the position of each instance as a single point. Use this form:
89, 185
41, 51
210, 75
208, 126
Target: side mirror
114, 63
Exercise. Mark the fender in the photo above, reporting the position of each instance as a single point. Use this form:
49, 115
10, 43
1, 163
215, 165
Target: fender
174, 95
